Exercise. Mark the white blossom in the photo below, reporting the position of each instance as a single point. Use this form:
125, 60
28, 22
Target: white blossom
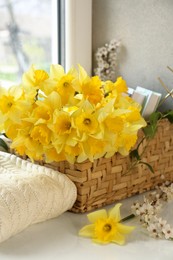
148, 211
106, 58
167, 231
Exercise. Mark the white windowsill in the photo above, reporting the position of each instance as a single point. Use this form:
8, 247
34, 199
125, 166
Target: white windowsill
58, 239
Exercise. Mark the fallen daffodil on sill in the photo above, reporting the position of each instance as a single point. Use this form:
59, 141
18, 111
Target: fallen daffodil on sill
106, 227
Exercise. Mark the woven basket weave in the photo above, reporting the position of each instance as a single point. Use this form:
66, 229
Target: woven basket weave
108, 180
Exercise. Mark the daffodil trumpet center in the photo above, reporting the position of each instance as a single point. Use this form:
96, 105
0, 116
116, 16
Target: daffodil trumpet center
67, 125
87, 121
40, 76
66, 84
9, 104
107, 227
6, 103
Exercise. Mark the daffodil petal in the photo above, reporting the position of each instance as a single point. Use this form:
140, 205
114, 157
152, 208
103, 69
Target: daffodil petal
94, 216
124, 229
55, 100
56, 71
118, 239
16, 91
98, 241
70, 158
115, 212
81, 158
87, 231
82, 73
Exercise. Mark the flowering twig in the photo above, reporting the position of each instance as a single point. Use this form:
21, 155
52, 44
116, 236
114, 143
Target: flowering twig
106, 58
148, 212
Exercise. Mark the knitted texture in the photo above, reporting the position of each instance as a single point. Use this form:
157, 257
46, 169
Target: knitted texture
30, 194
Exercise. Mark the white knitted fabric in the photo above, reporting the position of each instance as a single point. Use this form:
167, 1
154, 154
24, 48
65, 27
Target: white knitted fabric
30, 193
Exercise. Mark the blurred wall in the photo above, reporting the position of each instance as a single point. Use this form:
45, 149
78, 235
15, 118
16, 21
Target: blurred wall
145, 29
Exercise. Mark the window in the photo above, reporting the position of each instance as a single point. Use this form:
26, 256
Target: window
41, 33
25, 37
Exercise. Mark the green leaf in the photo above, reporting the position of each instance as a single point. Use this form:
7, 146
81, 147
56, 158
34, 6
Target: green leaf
169, 116
154, 117
148, 165
134, 155
3, 144
150, 130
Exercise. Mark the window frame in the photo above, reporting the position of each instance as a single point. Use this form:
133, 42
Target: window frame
58, 32
72, 33
78, 34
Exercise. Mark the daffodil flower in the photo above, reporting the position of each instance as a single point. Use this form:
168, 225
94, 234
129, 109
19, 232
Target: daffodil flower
106, 227
34, 77
69, 116
64, 82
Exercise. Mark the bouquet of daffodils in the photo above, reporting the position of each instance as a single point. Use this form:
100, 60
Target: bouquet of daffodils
69, 116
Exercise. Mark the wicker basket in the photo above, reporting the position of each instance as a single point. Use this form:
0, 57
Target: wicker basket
108, 180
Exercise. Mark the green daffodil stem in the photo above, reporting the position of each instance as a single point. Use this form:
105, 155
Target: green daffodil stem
128, 217
4, 145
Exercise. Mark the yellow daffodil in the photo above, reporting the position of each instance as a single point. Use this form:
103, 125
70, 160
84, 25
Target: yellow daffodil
114, 124
61, 123
40, 76
85, 119
52, 156
41, 133
115, 89
92, 90
11, 128
65, 88
12, 105
126, 142
106, 227
64, 82
35, 81
34, 77
44, 109
63, 134
71, 152
23, 143
82, 75
90, 87
121, 85
9, 98
86, 123
80, 78
133, 115
6, 103
109, 90
94, 148
42, 112
69, 116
